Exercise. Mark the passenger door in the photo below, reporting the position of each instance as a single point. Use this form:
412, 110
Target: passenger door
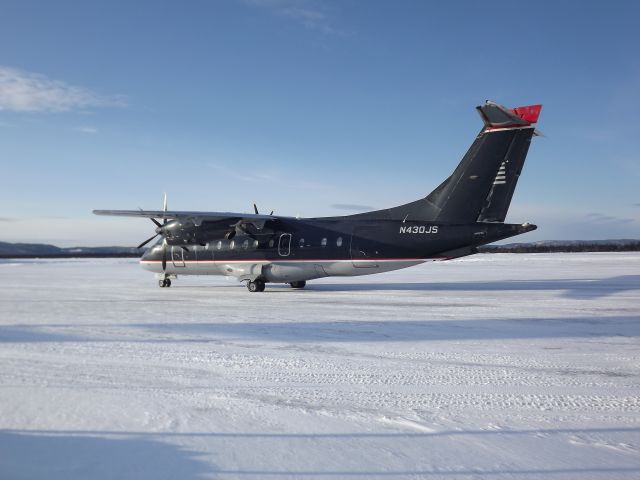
363, 248
177, 256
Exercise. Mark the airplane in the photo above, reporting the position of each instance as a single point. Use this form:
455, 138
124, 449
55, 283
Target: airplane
465, 211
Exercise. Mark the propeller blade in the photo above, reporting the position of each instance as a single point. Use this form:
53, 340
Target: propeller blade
164, 207
164, 256
158, 224
271, 212
147, 241
184, 248
230, 234
255, 209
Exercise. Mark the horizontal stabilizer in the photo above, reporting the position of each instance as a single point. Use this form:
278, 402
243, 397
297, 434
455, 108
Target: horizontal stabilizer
530, 113
496, 116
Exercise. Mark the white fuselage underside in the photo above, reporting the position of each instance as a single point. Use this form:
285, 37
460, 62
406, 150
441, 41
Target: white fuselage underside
281, 270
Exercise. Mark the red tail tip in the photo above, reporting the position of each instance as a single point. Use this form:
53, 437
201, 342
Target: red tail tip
529, 114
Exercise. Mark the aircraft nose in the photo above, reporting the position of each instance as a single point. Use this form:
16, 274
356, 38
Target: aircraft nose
146, 262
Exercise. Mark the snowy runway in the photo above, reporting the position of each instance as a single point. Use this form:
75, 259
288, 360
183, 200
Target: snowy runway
495, 366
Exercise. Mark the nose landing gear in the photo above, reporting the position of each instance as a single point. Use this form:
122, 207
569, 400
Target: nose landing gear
256, 285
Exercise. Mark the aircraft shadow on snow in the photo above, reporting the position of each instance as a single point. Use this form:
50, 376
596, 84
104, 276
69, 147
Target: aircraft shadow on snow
383, 330
72, 455
572, 288
378, 330
379, 326
579, 289
54, 455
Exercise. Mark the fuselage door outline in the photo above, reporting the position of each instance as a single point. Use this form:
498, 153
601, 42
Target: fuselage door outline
177, 256
284, 245
363, 253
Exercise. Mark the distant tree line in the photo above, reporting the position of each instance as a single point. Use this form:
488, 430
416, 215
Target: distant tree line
560, 247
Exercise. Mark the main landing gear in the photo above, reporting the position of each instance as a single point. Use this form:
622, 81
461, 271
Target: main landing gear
301, 284
256, 285
165, 282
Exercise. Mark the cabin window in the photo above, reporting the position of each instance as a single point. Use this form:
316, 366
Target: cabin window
301, 242
339, 242
271, 243
245, 244
255, 244
219, 245
323, 242
232, 245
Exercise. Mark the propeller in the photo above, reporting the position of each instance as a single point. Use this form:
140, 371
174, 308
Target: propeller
164, 255
239, 225
159, 231
255, 209
147, 241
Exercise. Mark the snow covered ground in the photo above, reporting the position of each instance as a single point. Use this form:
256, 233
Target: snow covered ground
495, 366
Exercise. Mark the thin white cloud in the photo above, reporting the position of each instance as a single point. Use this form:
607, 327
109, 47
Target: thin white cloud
86, 129
22, 91
568, 223
241, 174
352, 206
309, 13
600, 218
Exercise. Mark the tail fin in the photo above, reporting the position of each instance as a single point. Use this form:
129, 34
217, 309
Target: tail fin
481, 187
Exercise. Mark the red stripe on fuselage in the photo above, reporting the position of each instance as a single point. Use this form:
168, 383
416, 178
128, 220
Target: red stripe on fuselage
169, 260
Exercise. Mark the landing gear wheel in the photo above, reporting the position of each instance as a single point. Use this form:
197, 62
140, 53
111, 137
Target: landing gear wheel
164, 283
256, 286
300, 284
167, 283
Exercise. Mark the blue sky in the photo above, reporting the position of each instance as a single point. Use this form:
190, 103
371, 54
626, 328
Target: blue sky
308, 107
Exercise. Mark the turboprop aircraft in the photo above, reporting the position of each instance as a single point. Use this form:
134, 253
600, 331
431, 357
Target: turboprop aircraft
467, 210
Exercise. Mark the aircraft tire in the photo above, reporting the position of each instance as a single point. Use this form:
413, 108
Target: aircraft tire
300, 284
256, 286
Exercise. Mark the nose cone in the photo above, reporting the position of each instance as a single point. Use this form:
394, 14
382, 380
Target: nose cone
151, 260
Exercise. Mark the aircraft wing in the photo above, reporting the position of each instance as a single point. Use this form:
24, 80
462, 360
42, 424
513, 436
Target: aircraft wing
173, 214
